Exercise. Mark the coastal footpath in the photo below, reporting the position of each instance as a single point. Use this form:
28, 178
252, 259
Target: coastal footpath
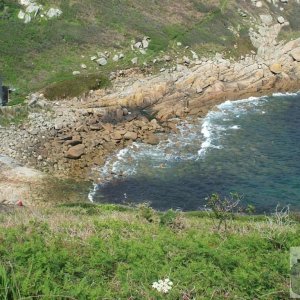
73, 137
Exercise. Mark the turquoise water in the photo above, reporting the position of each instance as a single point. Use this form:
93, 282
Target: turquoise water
250, 146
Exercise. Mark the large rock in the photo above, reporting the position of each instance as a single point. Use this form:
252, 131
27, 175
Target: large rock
75, 152
116, 135
130, 135
152, 139
296, 54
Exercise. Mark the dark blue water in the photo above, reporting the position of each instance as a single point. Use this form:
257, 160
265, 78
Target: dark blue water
251, 147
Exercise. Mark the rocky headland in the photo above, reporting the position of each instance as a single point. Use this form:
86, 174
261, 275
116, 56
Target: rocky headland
73, 137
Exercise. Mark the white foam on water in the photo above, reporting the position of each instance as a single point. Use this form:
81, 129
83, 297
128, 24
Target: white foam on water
226, 113
285, 94
176, 147
93, 192
192, 142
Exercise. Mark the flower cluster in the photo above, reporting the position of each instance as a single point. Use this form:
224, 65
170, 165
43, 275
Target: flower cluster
163, 286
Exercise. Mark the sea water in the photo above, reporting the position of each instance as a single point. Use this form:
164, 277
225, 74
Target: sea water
250, 147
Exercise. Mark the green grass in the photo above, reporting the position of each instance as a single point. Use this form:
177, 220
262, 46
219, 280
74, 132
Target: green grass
75, 86
44, 53
84, 251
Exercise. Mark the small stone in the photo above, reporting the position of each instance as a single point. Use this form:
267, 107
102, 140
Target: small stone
280, 20
195, 56
102, 61
152, 140
73, 142
134, 61
95, 127
145, 44
27, 19
65, 137
138, 45
21, 15
167, 58
75, 152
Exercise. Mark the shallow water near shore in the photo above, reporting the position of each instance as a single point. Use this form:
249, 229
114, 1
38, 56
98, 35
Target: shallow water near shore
249, 146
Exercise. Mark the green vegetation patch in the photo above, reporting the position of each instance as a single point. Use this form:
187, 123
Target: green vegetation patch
45, 53
75, 86
90, 252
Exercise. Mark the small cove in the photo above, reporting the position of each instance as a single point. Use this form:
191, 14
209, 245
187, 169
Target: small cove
249, 146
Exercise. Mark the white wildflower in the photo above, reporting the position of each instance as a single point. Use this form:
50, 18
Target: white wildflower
163, 286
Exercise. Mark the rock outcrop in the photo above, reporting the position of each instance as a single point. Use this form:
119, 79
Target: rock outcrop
71, 137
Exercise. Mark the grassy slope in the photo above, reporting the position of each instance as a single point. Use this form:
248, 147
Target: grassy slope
108, 252
43, 52
35, 55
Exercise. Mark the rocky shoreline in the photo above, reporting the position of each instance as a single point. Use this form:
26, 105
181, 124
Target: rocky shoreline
71, 138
